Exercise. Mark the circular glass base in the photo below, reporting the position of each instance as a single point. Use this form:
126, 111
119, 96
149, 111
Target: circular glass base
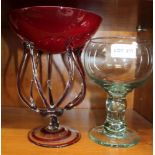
60, 138
100, 136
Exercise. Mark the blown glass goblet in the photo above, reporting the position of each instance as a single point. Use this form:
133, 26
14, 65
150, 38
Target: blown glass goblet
118, 65
46, 31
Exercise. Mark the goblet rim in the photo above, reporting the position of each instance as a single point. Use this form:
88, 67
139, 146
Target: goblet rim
139, 41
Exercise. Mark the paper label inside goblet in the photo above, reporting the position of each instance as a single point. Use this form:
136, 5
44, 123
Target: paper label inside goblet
123, 50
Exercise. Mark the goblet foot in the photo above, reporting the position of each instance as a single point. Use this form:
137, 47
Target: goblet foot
123, 139
60, 138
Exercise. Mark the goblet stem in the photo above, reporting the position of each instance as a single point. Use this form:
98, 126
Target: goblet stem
114, 124
114, 131
53, 125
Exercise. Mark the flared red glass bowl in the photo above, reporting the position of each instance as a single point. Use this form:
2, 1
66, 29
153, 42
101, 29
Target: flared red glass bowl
52, 28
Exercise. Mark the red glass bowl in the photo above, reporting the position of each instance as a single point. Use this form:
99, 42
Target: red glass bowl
52, 28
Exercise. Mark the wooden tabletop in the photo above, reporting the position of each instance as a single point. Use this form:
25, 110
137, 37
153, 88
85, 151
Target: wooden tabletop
16, 122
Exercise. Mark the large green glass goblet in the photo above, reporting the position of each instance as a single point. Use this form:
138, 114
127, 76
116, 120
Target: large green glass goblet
118, 65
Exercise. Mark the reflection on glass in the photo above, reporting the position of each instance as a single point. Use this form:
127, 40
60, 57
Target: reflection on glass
118, 65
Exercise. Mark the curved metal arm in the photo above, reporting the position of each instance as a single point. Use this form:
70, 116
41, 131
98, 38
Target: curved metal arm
70, 81
49, 72
60, 74
35, 77
30, 104
81, 95
63, 57
32, 81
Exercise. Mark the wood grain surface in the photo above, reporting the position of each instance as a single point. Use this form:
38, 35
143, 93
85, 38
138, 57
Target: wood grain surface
16, 122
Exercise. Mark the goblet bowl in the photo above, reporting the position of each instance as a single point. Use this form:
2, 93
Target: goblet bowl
52, 28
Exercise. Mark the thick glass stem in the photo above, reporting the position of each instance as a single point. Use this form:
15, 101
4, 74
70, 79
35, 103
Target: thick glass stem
53, 125
114, 124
